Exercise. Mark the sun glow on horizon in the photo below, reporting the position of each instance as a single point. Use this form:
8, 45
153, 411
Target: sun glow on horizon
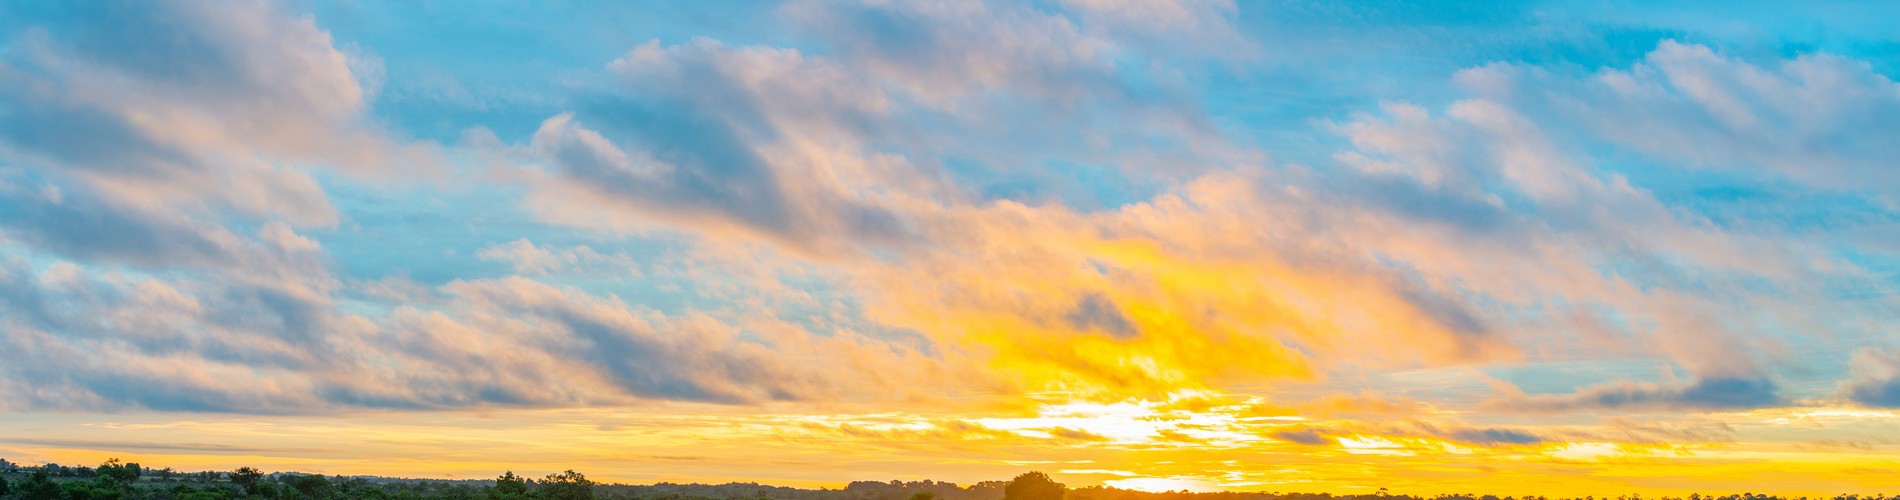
1164, 484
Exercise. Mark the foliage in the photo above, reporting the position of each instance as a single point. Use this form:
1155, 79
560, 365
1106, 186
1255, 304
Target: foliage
310, 486
1033, 486
39, 486
247, 477
116, 473
567, 485
509, 486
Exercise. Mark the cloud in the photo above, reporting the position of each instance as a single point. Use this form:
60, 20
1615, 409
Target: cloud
953, 51
254, 322
1495, 437
518, 342
1330, 433
233, 340
1702, 394
1312, 437
1480, 436
122, 446
1502, 198
1366, 402
1876, 380
686, 359
1067, 434
1009, 87
1202, 274
1190, 27
525, 257
107, 342
170, 106
1474, 231
154, 146
723, 140
1661, 432
1097, 313
751, 144
1480, 206
1490, 227
158, 140
1813, 118
806, 150
82, 224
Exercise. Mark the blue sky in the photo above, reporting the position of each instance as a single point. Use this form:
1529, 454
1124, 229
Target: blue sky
1400, 227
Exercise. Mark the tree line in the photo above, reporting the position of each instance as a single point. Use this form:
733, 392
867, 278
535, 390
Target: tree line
119, 480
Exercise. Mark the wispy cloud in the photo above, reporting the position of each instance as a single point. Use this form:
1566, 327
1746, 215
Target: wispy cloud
1876, 379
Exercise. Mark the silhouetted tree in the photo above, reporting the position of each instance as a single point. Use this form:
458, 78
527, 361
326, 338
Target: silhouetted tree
923, 495
1033, 486
567, 485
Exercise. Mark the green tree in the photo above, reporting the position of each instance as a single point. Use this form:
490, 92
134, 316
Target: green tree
567, 485
508, 486
1033, 486
5, 489
82, 490
247, 477
923, 495
312, 486
40, 486
118, 474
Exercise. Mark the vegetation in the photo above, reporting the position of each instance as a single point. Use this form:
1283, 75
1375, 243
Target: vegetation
1034, 486
116, 480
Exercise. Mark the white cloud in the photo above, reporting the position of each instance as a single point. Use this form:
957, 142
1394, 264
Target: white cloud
185, 106
528, 258
1817, 118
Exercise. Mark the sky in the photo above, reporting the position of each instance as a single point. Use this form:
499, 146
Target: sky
1555, 248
